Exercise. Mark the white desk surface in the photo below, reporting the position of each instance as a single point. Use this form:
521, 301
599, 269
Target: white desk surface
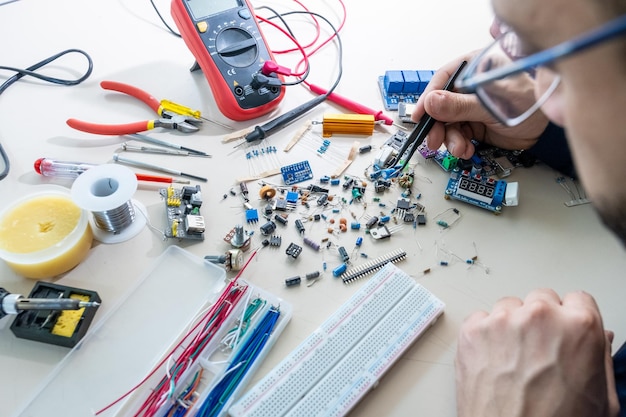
537, 244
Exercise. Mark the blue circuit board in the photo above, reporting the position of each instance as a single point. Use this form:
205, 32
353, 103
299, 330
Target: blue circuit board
403, 87
477, 190
295, 173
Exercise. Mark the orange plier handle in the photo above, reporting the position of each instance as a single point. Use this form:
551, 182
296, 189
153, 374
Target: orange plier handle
121, 129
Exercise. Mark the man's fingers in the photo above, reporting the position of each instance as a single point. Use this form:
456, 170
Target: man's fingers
449, 107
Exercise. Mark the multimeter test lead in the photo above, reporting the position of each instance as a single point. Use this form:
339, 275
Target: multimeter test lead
262, 131
15, 303
71, 170
352, 105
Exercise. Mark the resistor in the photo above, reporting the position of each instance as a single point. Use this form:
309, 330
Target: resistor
311, 243
312, 275
290, 282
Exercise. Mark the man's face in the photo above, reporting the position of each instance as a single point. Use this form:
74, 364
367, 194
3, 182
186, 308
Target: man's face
591, 98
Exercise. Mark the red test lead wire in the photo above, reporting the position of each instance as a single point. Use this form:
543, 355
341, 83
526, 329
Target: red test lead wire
351, 105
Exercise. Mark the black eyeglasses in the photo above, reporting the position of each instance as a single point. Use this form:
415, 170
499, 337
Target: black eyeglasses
504, 80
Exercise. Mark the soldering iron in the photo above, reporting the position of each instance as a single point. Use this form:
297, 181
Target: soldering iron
15, 303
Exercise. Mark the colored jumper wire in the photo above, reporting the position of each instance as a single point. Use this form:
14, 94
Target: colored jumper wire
211, 312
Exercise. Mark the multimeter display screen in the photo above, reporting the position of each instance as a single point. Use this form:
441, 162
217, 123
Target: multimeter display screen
204, 8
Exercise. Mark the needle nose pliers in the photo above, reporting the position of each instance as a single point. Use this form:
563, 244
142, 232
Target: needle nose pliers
168, 119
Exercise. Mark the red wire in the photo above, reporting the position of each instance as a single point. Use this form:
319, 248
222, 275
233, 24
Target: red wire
305, 58
318, 31
331, 37
210, 313
307, 55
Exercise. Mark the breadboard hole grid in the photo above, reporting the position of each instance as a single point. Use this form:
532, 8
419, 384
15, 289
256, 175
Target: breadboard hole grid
331, 370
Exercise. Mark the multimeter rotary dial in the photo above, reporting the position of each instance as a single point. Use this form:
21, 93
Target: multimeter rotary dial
237, 47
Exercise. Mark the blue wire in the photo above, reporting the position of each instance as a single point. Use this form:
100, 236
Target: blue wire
241, 363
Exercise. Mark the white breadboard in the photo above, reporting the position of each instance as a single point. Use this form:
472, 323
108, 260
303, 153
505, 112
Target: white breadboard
346, 356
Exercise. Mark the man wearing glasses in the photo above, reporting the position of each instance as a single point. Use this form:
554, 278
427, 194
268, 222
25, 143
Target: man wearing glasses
556, 67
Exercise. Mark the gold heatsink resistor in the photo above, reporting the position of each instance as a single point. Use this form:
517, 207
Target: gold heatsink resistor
348, 124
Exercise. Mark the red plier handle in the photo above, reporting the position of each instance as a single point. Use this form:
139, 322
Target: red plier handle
121, 129
138, 93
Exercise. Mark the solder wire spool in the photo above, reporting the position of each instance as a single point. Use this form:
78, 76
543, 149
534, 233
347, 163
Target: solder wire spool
106, 191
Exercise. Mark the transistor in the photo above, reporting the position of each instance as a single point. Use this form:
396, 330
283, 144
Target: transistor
383, 232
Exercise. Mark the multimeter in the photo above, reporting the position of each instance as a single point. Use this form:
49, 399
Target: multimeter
230, 49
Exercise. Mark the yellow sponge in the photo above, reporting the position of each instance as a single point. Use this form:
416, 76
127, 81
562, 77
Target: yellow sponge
68, 319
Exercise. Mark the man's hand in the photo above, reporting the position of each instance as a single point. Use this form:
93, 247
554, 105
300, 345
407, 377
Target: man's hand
461, 118
537, 357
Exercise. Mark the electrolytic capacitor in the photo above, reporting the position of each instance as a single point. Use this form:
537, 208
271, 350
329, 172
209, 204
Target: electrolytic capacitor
290, 282
300, 226
340, 270
343, 253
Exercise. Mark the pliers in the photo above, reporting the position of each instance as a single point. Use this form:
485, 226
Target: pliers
168, 119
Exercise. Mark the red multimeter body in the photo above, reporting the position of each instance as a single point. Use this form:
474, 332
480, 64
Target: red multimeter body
229, 47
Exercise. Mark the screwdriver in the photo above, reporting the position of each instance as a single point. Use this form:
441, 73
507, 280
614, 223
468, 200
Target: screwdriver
64, 169
153, 167
14, 303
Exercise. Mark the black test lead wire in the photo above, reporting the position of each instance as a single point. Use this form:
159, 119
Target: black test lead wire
260, 132
30, 71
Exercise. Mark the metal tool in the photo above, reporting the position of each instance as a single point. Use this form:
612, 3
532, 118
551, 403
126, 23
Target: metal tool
154, 141
168, 119
14, 303
153, 167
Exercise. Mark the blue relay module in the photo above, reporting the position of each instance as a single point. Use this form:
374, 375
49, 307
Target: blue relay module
399, 87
